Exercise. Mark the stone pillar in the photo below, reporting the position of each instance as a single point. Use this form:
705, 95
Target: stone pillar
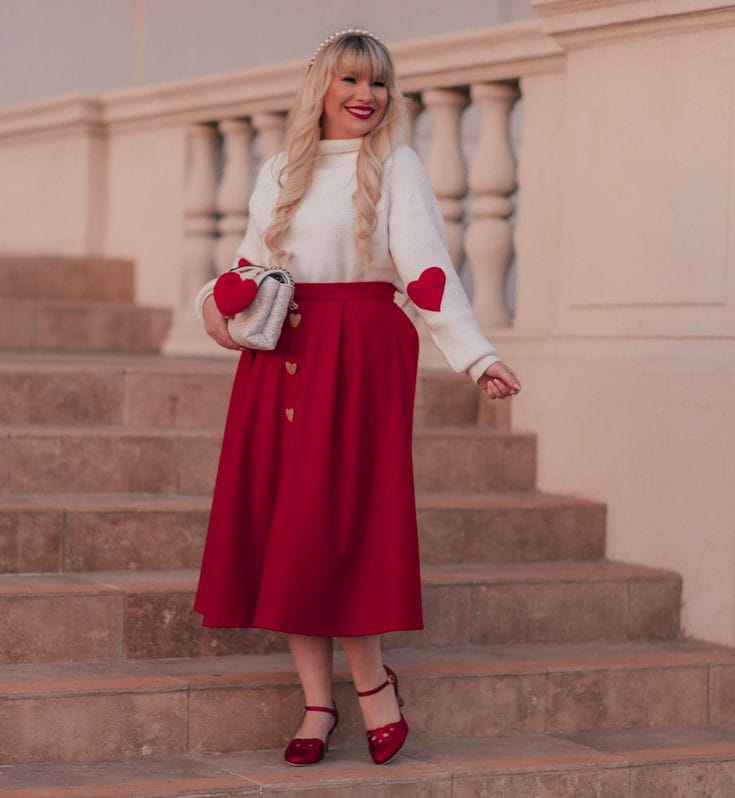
488, 236
199, 211
444, 161
234, 189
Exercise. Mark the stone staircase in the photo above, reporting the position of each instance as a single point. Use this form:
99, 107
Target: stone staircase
544, 669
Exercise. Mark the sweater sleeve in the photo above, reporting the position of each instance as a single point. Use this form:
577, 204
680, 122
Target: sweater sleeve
251, 246
417, 241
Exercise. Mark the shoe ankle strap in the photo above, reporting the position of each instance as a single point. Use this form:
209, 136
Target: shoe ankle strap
322, 709
391, 678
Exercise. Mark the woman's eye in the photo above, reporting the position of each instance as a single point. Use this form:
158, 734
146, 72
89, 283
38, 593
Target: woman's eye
377, 82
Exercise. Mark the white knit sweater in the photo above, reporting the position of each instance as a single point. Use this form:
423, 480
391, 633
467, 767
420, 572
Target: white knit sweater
409, 239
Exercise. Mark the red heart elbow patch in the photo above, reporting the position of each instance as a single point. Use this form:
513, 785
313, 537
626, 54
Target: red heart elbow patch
427, 291
232, 294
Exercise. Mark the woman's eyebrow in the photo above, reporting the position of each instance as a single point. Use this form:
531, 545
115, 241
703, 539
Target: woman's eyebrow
353, 73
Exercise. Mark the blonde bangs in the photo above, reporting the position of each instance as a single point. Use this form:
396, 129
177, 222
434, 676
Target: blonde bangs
363, 61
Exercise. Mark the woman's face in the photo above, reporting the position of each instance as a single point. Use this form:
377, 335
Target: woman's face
353, 105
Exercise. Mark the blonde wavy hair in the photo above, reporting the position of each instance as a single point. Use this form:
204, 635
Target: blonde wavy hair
364, 56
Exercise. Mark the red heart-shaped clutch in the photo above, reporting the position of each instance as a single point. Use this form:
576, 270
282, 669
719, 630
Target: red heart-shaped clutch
232, 294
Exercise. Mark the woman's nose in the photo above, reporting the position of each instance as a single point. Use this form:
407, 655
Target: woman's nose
364, 92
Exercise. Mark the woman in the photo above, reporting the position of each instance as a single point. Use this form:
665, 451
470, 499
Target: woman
313, 527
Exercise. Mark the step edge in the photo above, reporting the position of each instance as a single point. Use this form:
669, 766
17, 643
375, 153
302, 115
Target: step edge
42, 584
581, 757
148, 675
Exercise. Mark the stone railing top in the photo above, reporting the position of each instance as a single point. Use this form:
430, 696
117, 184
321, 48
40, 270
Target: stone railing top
497, 52
580, 23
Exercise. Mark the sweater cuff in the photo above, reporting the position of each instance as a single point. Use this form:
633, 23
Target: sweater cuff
478, 368
205, 291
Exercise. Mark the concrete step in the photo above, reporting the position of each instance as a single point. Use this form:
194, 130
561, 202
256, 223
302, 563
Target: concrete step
79, 712
509, 526
182, 392
147, 459
69, 325
473, 459
93, 388
93, 532
66, 277
685, 761
109, 615
444, 398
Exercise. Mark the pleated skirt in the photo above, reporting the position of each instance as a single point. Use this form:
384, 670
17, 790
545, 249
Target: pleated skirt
313, 526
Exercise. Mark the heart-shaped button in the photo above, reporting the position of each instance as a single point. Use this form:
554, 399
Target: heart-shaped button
289, 413
232, 294
291, 367
427, 291
294, 318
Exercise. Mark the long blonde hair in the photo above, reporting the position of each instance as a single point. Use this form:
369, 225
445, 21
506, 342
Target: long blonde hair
365, 56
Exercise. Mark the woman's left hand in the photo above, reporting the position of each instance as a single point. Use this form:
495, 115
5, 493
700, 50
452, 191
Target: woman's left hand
499, 381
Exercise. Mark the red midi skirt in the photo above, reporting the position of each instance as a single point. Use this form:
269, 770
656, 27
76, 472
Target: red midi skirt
313, 526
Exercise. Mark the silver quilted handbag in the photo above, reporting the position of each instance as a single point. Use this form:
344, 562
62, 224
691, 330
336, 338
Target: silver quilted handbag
259, 325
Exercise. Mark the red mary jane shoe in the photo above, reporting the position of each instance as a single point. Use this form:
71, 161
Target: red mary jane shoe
308, 750
385, 741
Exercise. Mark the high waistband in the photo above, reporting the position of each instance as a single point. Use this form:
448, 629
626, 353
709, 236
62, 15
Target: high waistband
366, 289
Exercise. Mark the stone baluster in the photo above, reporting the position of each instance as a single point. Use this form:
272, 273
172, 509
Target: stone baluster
234, 189
414, 106
488, 236
444, 161
200, 186
271, 129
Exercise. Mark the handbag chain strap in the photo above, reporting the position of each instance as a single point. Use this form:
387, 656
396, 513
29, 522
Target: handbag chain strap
292, 305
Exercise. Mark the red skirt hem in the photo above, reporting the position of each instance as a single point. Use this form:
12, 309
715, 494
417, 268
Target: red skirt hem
323, 633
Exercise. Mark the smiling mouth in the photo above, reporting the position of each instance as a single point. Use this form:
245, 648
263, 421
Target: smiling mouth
361, 113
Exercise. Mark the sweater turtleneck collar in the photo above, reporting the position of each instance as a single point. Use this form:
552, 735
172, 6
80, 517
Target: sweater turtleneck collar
331, 146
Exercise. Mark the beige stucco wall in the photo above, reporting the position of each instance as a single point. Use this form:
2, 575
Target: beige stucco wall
146, 216
625, 333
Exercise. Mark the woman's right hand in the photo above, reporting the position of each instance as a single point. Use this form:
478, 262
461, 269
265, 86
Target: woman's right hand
499, 381
216, 325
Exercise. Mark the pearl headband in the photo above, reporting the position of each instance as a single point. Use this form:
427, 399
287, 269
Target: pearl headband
339, 33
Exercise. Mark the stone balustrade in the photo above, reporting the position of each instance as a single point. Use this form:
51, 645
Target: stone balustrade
163, 174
